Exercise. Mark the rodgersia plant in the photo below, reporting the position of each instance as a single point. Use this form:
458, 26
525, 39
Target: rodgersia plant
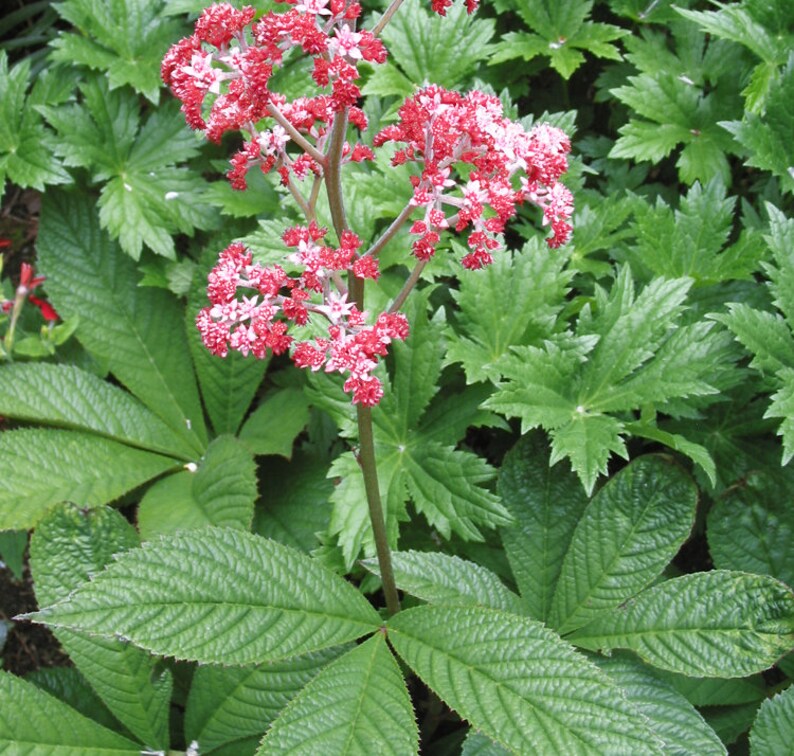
234, 614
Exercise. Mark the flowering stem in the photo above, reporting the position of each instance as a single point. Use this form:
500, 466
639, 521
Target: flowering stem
389, 233
295, 135
366, 458
386, 17
409, 284
300, 199
333, 172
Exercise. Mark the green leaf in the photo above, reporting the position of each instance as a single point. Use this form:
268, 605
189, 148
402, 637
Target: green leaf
445, 51
66, 396
449, 580
135, 329
545, 503
765, 334
515, 300
716, 624
357, 705
630, 531
751, 527
12, 552
773, 730
518, 682
670, 715
44, 467
296, 510
228, 384
710, 691
766, 137
37, 723
223, 596
477, 744
68, 547
221, 492
126, 37
26, 155
273, 425
229, 703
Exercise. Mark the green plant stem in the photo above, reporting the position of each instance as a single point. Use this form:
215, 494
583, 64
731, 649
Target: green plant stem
409, 284
386, 17
366, 459
366, 454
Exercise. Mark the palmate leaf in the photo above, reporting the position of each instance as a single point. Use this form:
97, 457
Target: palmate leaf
221, 492
135, 329
560, 32
717, 624
145, 198
545, 503
356, 706
228, 704
26, 156
449, 580
66, 396
628, 351
513, 301
670, 715
218, 596
765, 137
69, 546
37, 723
773, 729
44, 467
273, 425
126, 37
628, 534
518, 682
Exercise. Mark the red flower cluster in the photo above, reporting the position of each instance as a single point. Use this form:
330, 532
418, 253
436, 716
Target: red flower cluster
260, 320
28, 283
222, 73
443, 131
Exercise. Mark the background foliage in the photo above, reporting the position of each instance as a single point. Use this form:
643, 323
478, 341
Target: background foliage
580, 450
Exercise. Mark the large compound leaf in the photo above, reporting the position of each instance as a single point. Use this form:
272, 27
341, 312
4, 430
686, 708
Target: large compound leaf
218, 596
137, 330
44, 467
36, 723
717, 624
227, 704
545, 503
773, 731
449, 580
358, 705
67, 548
630, 531
751, 528
66, 396
518, 682
222, 492
669, 714
477, 744
273, 426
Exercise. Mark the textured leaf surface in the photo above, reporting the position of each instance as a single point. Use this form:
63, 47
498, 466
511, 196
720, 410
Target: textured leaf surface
68, 547
135, 329
222, 492
716, 624
358, 705
518, 682
36, 723
545, 503
229, 703
751, 528
773, 731
670, 715
442, 579
44, 467
218, 596
477, 744
67, 396
630, 531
